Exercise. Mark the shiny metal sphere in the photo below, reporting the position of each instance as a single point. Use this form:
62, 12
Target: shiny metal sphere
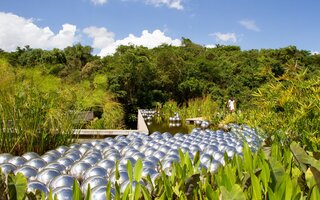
36, 162
109, 150
99, 193
159, 154
33, 186
54, 152
30, 155
138, 155
148, 164
123, 177
205, 159
65, 161
94, 181
62, 181
150, 151
95, 171
173, 157
17, 161
126, 184
78, 169
63, 193
164, 148
110, 141
74, 146
93, 152
231, 151
6, 168
62, 149
57, 166
127, 149
214, 166
48, 158
5, 157
152, 159
83, 149
113, 156
92, 160
28, 171
148, 171
173, 152
46, 175
125, 160
73, 155
106, 164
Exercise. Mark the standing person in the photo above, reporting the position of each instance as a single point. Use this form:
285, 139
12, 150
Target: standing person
231, 104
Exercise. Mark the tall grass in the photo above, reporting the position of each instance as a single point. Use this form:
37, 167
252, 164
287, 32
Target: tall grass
31, 119
288, 106
203, 107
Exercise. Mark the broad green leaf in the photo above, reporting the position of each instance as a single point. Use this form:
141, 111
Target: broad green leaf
138, 170
17, 186
88, 193
300, 155
235, 194
247, 158
289, 189
310, 178
316, 175
145, 192
265, 176
315, 194
281, 188
182, 157
209, 192
50, 197
127, 191
167, 186
271, 194
129, 171
117, 189
277, 170
256, 193
196, 160
117, 170
137, 191
108, 190
76, 192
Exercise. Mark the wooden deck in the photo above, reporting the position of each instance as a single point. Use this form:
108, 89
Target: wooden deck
192, 120
102, 132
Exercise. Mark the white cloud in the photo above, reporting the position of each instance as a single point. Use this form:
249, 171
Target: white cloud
225, 37
101, 36
17, 31
104, 40
176, 4
99, 2
210, 46
315, 52
250, 25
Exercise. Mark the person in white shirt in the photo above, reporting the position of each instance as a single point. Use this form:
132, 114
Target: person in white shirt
231, 104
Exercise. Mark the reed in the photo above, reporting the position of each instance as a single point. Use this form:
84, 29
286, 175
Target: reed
31, 119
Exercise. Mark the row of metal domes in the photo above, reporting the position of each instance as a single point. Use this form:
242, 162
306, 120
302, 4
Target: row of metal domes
93, 162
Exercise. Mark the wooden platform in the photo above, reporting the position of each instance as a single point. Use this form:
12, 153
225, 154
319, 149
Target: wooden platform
192, 120
102, 132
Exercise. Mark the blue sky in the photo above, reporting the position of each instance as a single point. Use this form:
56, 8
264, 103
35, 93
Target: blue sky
106, 24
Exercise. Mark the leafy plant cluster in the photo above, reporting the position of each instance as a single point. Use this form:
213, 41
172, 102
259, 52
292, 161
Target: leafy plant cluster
38, 112
273, 172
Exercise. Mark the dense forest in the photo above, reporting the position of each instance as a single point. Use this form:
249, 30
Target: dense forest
138, 77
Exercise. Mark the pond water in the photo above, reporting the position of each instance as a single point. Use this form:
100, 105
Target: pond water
169, 127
